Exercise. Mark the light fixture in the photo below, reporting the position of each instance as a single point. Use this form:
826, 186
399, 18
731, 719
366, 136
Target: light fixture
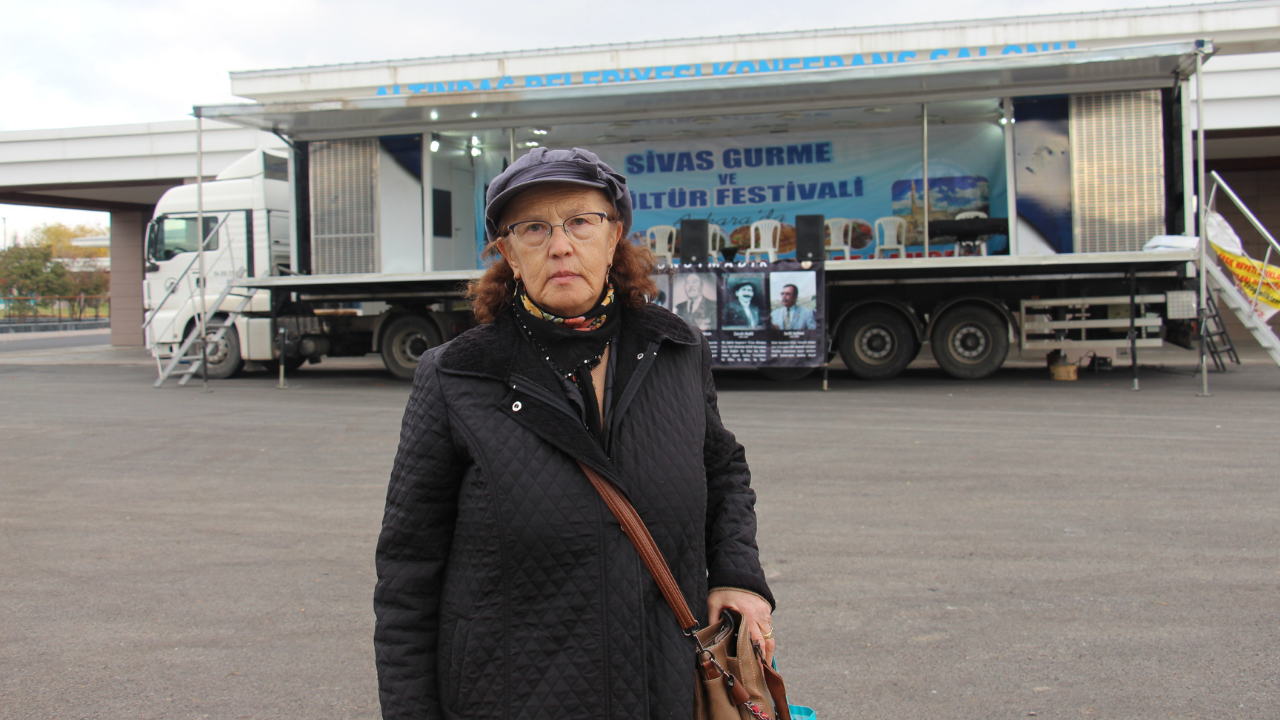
475, 115
531, 143
435, 115
475, 152
475, 141
435, 142
880, 109
539, 130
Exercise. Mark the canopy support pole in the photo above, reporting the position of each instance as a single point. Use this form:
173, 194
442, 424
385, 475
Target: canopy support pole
1010, 177
202, 282
1201, 211
924, 151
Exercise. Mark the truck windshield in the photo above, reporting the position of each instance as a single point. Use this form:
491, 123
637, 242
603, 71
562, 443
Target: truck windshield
173, 235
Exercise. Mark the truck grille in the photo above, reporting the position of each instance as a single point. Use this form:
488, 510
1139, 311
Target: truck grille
344, 208
1118, 170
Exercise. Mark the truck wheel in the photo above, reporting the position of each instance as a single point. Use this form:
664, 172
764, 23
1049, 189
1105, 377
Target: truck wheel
970, 342
405, 341
877, 344
223, 356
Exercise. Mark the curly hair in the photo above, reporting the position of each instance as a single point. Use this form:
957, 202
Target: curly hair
631, 274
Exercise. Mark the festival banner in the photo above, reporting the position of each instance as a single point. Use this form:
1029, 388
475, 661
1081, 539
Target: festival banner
753, 314
860, 176
1259, 282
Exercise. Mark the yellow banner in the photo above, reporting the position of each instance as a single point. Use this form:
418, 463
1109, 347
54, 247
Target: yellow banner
1249, 275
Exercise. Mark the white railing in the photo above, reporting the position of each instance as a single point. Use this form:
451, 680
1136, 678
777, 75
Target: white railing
1273, 249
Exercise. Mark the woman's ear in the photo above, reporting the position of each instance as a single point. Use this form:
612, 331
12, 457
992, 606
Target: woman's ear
613, 248
510, 257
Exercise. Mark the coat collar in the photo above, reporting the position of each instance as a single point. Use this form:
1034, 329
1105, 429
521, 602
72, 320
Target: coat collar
499, 351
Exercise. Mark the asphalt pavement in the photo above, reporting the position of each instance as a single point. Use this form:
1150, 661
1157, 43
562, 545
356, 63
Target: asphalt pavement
1009, 548
15, 342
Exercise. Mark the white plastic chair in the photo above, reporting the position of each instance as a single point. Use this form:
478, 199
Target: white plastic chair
717, 239
765, 236
840, 237
975, 215
891, 234
662, 240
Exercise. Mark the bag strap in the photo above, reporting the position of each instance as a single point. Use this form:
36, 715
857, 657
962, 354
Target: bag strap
639, 535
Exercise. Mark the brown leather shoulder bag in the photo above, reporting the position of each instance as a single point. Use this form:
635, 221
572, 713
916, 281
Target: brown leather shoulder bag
732, 680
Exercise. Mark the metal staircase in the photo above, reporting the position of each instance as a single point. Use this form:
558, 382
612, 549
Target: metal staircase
214, 334
1217, 341
1228, 291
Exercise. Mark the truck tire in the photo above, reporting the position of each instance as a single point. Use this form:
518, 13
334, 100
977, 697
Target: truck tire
404, 342
970, 342
223, 357
877, 344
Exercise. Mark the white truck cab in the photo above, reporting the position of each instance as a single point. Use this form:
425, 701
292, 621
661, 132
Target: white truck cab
246, 234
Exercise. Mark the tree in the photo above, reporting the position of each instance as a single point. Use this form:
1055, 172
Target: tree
57, 237
30, 270
38, 268
27, 271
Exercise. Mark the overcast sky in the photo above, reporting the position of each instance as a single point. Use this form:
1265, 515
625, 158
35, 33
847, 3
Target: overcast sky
103, 62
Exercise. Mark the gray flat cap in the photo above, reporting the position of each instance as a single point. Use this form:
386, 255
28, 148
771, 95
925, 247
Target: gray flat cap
542, 165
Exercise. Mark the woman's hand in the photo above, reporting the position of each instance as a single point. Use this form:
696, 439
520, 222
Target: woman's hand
757, 616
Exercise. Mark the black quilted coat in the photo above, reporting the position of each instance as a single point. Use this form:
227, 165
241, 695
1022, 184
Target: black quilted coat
506, 589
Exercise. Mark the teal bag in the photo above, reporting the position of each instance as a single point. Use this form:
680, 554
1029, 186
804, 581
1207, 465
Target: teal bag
798, 712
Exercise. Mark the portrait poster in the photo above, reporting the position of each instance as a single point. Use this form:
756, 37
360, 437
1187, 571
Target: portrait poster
694, 298
754, 314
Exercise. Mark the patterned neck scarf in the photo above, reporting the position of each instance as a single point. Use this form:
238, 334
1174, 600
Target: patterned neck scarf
570, 344
593, 319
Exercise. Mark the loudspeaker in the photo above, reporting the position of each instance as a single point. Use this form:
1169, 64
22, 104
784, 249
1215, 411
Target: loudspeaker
693, 241
811, 237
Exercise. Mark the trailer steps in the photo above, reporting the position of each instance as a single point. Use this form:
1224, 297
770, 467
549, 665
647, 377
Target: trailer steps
1217, 341
1226, 289
219, 329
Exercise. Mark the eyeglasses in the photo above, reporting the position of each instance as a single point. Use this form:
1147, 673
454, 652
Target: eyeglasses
583, 228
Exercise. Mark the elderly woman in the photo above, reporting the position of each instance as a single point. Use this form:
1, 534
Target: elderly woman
506, 589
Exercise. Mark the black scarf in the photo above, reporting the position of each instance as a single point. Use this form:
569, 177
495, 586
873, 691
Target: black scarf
573, 354
567, 349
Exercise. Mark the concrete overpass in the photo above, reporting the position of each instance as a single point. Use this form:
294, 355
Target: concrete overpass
123, 170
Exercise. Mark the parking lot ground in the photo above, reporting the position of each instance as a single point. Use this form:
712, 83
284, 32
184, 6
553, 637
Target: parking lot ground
1008, 548
16, 342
